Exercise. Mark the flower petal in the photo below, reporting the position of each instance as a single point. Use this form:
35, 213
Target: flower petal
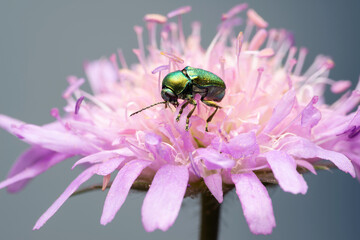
241, 146
256, 203
58, 141
214, 159
284, 169
120, 188
83, 177
163, 200
214, 183
307, 165
281, 110
310, 116
109, 166
104, 155
29, 172
26, 159
303, 148
8, 123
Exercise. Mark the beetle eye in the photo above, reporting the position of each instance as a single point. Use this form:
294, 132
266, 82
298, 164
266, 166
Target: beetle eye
168, 95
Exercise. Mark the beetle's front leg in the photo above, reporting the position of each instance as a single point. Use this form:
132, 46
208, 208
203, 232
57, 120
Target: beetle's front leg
193, 102
181, 110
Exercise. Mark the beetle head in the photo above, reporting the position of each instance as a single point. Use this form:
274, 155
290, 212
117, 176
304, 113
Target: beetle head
169, 96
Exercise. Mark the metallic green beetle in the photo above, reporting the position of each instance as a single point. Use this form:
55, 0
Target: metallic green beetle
185, 84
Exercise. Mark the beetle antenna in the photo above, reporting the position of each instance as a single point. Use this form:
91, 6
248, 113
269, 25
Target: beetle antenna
147, 108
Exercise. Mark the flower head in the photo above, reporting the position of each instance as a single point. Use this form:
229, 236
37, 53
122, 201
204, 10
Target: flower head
273, 123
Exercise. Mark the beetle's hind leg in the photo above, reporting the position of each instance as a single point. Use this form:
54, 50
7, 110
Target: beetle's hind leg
210, 104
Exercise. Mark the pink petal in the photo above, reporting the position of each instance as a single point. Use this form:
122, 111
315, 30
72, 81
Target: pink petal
242, 146
26, 159
310, 116
284, 169
213, 159
33, 170
256, 203
108, 166
104, 155
74, 185
163, 201
120, 188
282, 109
55, 140
303, 148
9, 123
307, 165
214, 183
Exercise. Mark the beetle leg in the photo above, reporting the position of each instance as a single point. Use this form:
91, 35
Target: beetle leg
181, 110
193, 102
210, 104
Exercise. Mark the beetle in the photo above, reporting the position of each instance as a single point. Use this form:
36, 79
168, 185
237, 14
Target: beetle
185, 84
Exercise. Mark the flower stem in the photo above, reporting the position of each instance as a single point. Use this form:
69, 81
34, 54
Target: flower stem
210, 213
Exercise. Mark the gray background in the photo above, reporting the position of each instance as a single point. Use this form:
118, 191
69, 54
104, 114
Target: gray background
42, 43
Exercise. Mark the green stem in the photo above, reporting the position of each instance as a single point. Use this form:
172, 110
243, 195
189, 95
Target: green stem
210, 214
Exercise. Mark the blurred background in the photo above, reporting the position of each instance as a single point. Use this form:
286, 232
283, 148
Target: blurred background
42, 42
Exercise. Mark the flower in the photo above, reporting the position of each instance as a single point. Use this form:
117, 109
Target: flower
274, 123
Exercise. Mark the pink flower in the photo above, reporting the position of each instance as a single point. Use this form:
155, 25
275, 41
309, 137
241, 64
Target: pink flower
273, 121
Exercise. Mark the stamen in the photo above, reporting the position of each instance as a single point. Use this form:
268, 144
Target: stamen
340, 86
233, 11
266, 53
179, 12
174, 37
164, 40
258, 40
257, 19
55, 113
271, 38
222, 61
172, 57
74, 85
300, 62
159, 69
78, 103
96, 101
114, 62
122, 59
248, 29
155, 18
151, 21
290, 57
139, 30
239, 43
211, 47
141, 60
260, 71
